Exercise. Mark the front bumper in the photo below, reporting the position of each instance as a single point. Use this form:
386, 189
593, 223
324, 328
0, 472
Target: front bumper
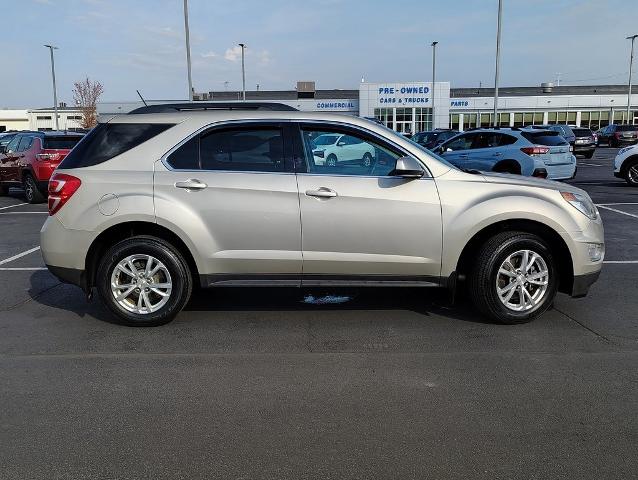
581, 284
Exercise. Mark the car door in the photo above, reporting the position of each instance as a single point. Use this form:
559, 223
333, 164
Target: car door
456, 151
361, 224
484, 152
8, 162
231, 189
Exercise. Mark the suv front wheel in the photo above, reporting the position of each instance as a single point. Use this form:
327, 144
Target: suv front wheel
514, 278
144, 281
31, 191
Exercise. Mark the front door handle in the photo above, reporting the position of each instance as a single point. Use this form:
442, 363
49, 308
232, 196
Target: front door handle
322, 192
191, 184
463, 155
497, 154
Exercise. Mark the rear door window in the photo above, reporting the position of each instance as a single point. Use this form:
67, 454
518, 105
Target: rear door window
549, 139
66, 142
626, 128
243, 149
109, 140
25, 143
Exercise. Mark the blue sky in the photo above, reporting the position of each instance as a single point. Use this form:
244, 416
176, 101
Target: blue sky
139, 44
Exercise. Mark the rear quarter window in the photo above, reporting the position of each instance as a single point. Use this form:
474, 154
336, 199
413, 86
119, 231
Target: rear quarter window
66, 142
549, 139
108, 140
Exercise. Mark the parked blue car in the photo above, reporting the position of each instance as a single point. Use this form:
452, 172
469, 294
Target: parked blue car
529, 152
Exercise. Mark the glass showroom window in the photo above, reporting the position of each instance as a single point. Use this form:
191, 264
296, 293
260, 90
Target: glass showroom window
538, 118
486, 120
454, 121
562, 117
469, 120
424, 119
528, 118
604, 119
584, 120
571, 118
518, 120
552, 117
384, 115
504, 119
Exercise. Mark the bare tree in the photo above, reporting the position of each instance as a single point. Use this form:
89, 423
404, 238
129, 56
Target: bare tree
86, 94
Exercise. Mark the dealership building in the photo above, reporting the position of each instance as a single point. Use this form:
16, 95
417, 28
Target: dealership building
407, 106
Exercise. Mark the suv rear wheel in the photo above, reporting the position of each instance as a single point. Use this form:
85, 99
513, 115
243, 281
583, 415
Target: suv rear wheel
31, 191
144, 281
514, 278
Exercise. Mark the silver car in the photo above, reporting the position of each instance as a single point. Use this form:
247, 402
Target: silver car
148, 205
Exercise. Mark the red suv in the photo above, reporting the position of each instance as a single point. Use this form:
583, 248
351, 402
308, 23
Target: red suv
29, 159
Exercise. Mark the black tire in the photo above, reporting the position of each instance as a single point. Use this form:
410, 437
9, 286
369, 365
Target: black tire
482, 280
630, 172
31, 191
4, 190
366, 161
180, 275
508, 166
589, 154
331, 161
613, 143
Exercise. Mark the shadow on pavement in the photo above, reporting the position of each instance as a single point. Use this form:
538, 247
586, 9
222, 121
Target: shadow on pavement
424, 301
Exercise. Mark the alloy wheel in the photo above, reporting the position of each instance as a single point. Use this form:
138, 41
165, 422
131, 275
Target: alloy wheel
141, 284
522, 280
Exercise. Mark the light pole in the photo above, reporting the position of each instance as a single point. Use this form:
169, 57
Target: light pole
55, 90
631, 61
188, 52
243, 72
433, 78
498, 58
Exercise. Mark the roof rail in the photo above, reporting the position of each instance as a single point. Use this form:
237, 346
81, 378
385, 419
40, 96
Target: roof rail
202, 106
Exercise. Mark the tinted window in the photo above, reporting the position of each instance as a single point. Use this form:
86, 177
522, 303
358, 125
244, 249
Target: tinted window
25, 143
66, 142
545, 138
186, 157
582, 132
486, 140
5, 139
254, 149
13, 144
462, 142
626, 128
359, 155
109, 140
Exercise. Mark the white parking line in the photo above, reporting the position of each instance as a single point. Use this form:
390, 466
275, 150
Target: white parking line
590, 165
23, 213
618, 211
21, 269
19, 255
619, 203
13, 206
620, 261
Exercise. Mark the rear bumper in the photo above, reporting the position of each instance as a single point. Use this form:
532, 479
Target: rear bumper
69, 275
581, 284
584, 148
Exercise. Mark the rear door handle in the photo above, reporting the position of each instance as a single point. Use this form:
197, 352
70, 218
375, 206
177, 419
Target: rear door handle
191, 184
322, 192
497, 154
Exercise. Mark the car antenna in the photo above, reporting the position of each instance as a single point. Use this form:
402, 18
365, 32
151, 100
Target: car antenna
144, 101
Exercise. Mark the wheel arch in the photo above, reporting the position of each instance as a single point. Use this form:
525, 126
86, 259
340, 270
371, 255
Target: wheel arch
502, 166
562, 254
626, 163
118, 232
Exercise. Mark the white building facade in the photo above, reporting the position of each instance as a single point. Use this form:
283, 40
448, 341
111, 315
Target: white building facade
41, 119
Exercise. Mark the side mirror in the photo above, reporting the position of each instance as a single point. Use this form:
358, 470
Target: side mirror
407, 167
3, 149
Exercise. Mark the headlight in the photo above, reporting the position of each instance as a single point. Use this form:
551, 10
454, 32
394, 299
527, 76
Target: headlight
581, 203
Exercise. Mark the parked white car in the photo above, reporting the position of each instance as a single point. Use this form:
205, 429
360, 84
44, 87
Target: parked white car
626, 165
332, 149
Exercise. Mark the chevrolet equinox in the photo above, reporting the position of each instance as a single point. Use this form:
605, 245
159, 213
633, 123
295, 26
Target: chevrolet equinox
153, 203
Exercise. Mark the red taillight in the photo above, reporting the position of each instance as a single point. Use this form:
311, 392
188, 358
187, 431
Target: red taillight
535, 150
61, 188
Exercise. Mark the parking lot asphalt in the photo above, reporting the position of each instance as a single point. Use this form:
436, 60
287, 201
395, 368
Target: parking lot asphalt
254, 383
